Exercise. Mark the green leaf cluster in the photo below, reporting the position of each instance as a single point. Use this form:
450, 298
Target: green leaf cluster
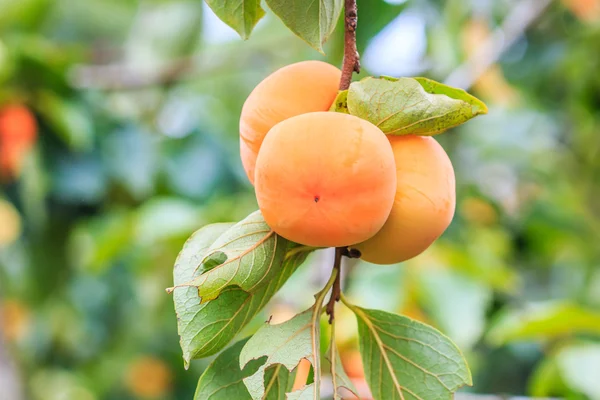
312, 21
402, 358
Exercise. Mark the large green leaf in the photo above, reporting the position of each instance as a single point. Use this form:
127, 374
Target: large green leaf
406, 359
223, 379
313, 21
416, 106
248, 255
205, 329
544, 321
241, 15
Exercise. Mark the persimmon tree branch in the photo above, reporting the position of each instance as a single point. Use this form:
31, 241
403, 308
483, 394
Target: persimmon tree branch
351, 64
351, 57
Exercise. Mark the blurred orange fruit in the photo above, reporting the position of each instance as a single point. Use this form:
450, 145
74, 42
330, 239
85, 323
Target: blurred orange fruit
149, 377
15, 319
302, 371
18, 133
478, 211
352, 362
586, 10
491, 84
10, 223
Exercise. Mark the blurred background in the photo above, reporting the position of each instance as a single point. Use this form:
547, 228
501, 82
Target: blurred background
119, 138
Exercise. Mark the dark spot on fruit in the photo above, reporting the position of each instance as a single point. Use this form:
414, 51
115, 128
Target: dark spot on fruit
317, 198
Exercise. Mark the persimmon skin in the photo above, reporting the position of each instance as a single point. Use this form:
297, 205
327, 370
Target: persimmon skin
295, 89
325, 179
424, 204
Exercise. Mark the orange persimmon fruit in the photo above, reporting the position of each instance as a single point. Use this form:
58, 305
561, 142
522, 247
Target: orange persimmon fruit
424, 204
18, 133
325, 179
295, 89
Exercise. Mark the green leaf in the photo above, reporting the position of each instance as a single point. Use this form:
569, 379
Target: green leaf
312, 21
544, 321
545, 380
406, 359
69, 121
205, 329
248, 255
284, 344
411, 106
579, 365
340, 104
287, 344
241, 15
223, 379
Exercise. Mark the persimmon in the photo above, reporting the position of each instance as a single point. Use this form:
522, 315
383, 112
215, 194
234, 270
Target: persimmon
295, 89
10, 223
325, 179
149, 377
424, 204
18, 132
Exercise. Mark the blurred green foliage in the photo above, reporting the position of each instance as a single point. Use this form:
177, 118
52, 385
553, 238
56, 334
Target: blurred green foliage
137, 105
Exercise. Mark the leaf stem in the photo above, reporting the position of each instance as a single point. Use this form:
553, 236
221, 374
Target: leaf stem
351, 57
332, 360
346, 302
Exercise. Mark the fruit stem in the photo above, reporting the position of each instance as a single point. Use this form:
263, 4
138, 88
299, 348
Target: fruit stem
351, 57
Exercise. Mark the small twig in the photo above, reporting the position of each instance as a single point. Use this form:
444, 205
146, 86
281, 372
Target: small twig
351, 56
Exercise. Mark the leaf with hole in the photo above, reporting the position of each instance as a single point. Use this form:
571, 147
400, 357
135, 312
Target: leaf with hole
287, 344
411, 106
406, 359
248, 255
340, 104
241, 15
205, 329
223, 379
313, 21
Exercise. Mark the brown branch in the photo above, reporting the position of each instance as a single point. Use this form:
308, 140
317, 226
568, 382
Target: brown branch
336, 288
350, 65
351, 57
337, 284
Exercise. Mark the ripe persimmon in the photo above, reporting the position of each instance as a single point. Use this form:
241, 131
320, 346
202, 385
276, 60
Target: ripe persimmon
325, 179
295, 89
424, 204
18, 133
